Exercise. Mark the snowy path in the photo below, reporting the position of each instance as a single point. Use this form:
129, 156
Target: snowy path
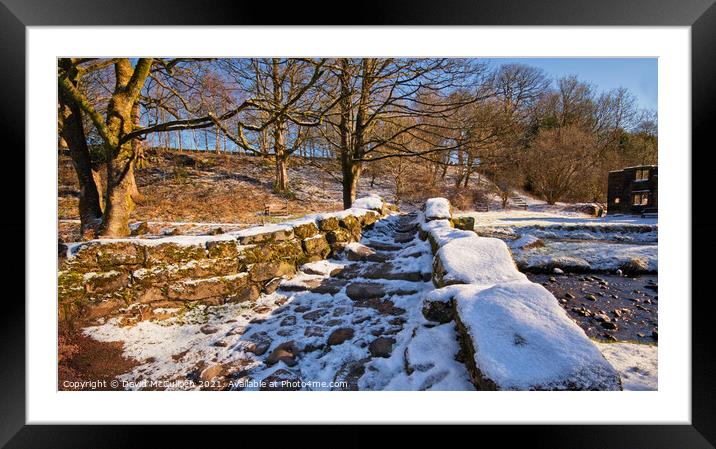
353, 323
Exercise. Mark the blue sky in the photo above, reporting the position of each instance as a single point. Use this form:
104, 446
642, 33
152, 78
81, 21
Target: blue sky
639, 75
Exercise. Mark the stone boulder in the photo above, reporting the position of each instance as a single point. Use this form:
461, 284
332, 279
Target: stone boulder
464, 223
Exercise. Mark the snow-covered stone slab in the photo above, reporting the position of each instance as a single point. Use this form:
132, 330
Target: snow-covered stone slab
370, 202
437, 209
474, 260
517, 337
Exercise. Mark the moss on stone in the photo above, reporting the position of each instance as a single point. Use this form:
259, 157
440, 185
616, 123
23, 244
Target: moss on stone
174, 253
328, 224
464, 223
338, 236
221, 249
304, 231
267, 237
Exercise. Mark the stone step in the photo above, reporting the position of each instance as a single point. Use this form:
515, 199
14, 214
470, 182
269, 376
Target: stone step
381, 246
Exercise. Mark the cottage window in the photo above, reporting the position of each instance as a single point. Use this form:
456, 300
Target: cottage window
642, 174
616, 200
640, 199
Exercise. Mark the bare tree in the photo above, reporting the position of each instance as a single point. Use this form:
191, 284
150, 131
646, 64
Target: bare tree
371, 91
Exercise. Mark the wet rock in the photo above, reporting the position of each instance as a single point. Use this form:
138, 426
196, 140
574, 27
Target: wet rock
288, 321
381, 347
286, 352
340, 335
591, 297
349, 373
397, 321
314, 315
377, 331
340, 311
364, 290
335, 322
609, 325
557, 270
329, 287
258, 343
655, 334
208, 329
569, 295
302, 308
285, 332
360, 319
221, 343
281, 380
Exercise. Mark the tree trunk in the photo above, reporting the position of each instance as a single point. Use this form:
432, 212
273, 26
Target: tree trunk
351, 175
138, 151
115, 222
281, 185
73, 134
120, 160
279, 132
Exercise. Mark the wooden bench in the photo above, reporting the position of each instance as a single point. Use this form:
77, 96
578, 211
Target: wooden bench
273, 209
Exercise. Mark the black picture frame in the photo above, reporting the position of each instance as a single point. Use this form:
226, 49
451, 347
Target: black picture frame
16, 15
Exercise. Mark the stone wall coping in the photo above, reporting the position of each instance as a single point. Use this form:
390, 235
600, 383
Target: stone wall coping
201, 240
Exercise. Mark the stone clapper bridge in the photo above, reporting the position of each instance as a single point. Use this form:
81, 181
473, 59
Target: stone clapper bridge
363, 299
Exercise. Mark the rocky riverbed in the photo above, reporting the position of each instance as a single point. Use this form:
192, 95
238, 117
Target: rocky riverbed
608, 307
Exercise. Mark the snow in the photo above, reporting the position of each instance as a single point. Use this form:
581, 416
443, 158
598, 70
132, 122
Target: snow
525, 240
478, 260
437, 208
183, 240
637, 364
561, 218
265, 229
322, 266
524, 340
586, 256
371, 202
431, 368
175, 348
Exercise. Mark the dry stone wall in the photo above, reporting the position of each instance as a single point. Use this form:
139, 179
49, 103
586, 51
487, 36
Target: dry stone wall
153, 278
513, 332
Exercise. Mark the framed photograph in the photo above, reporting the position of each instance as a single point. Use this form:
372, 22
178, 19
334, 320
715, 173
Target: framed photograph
414, 214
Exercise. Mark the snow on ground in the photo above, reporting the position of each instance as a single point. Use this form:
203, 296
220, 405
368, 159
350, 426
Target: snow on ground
229, 338
586, 256
525, 340
570, 239
637, 364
